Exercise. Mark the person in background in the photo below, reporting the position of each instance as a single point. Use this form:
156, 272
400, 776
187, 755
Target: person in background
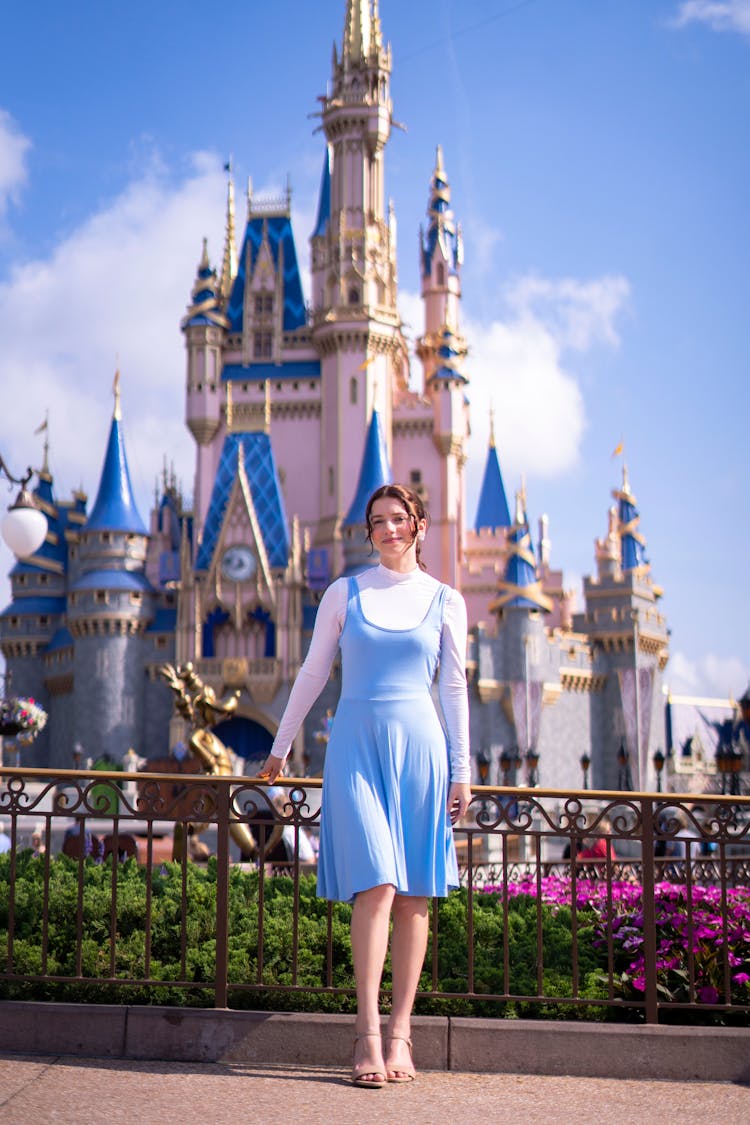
394, 780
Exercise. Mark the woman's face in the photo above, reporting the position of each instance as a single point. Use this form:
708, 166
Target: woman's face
393, 532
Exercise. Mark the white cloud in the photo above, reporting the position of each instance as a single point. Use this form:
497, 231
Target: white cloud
517, 363
720, 15
111, 294
713, 676
14, 148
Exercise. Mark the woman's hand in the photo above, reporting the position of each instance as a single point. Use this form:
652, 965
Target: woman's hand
272, 767
459, 799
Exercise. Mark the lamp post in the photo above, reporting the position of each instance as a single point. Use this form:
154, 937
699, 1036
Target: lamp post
532, 763
658, 760
506, 765
623, 777
585, 763
25, 526
483, 765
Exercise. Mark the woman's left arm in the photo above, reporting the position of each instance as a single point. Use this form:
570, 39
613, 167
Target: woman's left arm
454, 700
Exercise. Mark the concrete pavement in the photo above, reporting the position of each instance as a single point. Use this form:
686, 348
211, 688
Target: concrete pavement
35, 1090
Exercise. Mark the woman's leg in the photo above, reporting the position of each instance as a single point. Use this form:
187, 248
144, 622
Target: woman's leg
411, 922
370, 923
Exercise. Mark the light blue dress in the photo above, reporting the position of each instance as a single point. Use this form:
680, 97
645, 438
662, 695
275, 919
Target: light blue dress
385, 783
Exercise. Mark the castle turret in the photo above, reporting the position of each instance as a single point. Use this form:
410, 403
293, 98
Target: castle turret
630, 645
520, 586
446, 390
441, 258
110, 603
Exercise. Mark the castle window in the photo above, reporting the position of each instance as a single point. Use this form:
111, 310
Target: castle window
353, 389
441, 274
43, 622
263, 304
136, 598
14, 622
100, 597
330, 480
43, 579
263, 345
353, 295
161, 642
415, 476
106, 537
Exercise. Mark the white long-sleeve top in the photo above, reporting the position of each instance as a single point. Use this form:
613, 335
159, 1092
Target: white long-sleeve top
391, 601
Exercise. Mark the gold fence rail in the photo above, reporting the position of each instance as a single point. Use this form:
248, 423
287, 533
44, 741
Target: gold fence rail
657, 885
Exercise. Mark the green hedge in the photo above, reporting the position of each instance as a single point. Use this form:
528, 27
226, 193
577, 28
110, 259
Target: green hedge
95, 948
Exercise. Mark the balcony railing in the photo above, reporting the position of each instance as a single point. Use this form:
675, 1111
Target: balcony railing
635, 905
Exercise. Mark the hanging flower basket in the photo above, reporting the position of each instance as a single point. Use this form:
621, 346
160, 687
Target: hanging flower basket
21, 719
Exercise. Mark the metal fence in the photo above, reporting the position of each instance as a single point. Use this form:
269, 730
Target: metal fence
628, 905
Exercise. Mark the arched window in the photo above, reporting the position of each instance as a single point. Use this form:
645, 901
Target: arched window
441, 274
353, 295
353, 390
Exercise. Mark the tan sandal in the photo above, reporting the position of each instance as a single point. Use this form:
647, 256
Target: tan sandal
400, 1073
360, 1072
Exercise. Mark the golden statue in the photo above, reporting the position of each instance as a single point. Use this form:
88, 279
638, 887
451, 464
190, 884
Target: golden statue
196, 702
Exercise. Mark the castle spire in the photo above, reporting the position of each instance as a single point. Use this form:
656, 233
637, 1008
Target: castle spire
374, 471
229, 264
492, 509
362, 34
520, 585
632, 542
114, 508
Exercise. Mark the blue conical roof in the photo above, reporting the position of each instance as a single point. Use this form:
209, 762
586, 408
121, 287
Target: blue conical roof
375, 471
324, 199
492, 510
114, 508
632, 543
520, 586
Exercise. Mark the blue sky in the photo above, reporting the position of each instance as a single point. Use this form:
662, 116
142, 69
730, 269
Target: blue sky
598, 158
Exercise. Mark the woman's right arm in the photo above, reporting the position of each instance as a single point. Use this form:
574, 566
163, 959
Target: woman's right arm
311, 678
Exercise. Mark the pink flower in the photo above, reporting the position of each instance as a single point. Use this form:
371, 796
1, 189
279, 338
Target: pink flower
708, 994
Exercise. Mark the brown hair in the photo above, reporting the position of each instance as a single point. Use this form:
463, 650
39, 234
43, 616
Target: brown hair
411, 502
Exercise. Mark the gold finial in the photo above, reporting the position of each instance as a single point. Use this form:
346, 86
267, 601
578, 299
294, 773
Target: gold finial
625, 481
117, 415
439, 170
492, 425
267, 406
229, 264
229, 404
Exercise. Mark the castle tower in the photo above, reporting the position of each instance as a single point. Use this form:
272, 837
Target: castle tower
356, 327
204, 327
110, 603
629, 640
441, 258
446, 391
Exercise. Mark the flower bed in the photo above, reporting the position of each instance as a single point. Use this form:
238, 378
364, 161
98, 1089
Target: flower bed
702, 939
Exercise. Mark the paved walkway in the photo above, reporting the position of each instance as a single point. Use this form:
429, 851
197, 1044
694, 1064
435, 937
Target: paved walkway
35, 1090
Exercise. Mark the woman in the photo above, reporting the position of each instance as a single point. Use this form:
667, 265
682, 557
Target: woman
392, 785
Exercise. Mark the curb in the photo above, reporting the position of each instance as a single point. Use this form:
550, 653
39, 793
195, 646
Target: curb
538, 1047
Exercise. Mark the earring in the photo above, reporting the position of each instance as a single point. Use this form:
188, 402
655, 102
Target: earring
420, 537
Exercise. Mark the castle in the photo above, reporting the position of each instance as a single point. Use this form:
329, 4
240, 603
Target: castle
298, 410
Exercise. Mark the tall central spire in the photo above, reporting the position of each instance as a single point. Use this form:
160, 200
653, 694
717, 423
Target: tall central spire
362, 32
